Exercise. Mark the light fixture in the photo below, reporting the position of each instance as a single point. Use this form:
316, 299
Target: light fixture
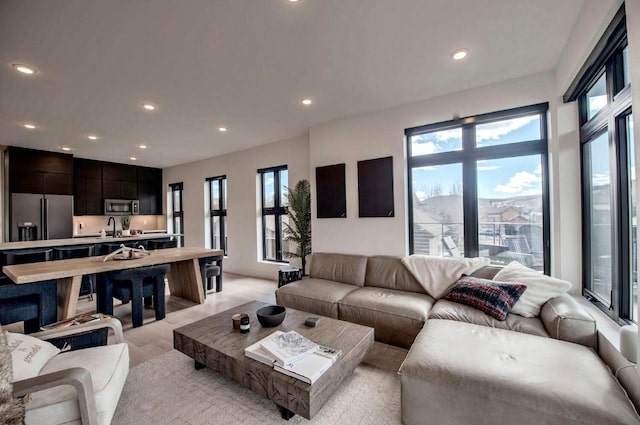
459, 54
223, 129
92, 137
149, 106
306, 101
25, 69
142, 146
29, 125
65, 148
133, 158
293, 1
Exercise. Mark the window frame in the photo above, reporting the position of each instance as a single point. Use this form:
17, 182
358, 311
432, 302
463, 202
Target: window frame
607, 57
468, 157
177, 187
277, 211
219, 212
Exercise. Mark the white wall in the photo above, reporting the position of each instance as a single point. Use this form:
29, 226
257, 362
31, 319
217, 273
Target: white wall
242, 204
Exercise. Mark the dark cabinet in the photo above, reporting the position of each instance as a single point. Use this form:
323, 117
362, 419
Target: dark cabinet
95, 181
34, 171
87, 183
119, 181
150, 190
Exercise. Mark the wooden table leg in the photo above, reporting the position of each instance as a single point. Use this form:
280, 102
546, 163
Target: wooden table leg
68, 293
185, 280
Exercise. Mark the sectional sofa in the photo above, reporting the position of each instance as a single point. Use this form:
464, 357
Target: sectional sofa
464, 366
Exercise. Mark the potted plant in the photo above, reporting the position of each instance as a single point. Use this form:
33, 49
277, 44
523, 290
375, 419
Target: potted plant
125, 221
298, 229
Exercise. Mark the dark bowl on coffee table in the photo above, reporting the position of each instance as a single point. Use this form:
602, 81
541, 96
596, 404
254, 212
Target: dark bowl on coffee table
271, 315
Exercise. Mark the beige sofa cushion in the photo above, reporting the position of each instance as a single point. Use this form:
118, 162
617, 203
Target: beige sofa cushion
460, 373
565, 319
389, 272
317, 296
449, 310
344, 268
396, 316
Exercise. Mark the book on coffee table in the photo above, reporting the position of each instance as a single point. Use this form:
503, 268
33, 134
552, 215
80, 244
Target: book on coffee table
289, 347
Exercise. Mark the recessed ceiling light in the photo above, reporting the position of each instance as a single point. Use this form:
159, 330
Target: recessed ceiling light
293, 1
306, 101
459, 54
149, 106
65, 148
25, 69
142, 146
29, 125
133, 158
92, 137
223, 129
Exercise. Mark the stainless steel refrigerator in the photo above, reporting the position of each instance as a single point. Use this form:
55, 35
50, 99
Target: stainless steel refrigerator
53, 214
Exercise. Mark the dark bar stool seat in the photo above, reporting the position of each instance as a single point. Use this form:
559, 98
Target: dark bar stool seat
134, 285
36, 303
211, 267
88, 286
161, 244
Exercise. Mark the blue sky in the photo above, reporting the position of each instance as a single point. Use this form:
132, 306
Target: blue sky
499, 178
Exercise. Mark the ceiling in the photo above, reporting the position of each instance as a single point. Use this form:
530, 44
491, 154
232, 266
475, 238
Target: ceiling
245, 65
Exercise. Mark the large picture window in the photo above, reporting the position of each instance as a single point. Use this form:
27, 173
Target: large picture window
218, 212
274, 182
603, 92
478, 187
177, 211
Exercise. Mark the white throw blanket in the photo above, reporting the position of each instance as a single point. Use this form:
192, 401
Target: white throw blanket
437, 274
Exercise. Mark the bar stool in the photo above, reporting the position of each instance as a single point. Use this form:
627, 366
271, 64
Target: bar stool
88, 286
211, 267
134, 285
161, 244
36, 303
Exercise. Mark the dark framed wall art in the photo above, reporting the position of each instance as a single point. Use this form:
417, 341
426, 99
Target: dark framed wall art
375, 187
331, 192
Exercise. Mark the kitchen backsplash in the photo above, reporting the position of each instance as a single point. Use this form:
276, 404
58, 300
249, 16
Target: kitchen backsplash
95, 223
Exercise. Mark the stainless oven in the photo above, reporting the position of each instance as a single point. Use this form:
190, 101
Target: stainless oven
121, 207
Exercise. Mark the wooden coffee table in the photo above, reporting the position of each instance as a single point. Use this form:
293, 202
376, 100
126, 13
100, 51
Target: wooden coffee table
212, 342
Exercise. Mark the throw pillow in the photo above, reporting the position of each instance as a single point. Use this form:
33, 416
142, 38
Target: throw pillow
437, 274
494, 298
28, 355
11, 409
540, 288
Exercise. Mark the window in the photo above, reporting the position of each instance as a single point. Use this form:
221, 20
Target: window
603, 92
274, 183
479, 187
177, 212
218, 212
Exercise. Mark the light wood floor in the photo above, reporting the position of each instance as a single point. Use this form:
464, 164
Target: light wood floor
156, 337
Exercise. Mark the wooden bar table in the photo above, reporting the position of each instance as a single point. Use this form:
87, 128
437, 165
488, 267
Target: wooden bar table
184, 277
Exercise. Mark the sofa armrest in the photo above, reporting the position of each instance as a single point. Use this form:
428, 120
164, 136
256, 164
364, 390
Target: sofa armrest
112, 323
78, 377
565, 319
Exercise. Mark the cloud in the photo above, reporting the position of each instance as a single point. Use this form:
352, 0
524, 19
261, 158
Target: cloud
495, 130
488, 167
424, 144
521, 181
538, 170
600, 179
418, 148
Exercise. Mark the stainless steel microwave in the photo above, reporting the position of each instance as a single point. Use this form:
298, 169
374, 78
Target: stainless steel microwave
121, 207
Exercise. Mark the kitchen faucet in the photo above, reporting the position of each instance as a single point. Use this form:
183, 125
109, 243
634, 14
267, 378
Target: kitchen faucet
114, 225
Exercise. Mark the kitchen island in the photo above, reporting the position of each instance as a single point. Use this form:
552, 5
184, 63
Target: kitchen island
50, 243
184, 278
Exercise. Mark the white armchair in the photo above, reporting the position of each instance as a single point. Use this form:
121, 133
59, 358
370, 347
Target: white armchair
75, 387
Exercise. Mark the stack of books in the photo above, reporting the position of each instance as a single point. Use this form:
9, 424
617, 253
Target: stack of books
294, 355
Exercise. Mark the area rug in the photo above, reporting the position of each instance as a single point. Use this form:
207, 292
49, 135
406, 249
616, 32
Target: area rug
168, 390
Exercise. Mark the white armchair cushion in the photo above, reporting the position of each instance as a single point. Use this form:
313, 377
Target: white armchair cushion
28, 355
108, 366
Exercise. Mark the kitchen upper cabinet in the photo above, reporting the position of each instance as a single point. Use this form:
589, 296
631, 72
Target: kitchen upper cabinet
87, 184
150, 190
119, 181
34, 171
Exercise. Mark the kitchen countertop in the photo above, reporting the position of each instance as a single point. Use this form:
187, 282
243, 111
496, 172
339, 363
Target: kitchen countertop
80, 241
